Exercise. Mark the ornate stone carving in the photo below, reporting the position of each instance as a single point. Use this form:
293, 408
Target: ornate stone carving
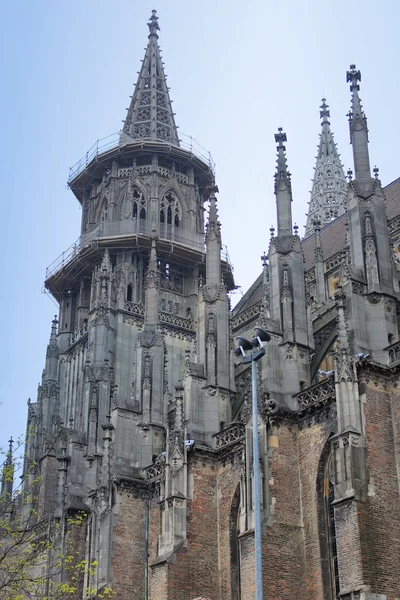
319, 393
246, 316
230, 435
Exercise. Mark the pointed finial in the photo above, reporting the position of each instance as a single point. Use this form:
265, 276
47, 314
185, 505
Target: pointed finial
353, 76
282, 172
376, 172
358, 131
53, 332
213, 222
272, 231
316, 224
280, 137
153, 24
283, 188
296, 229
324, 112
264, 260
350, 175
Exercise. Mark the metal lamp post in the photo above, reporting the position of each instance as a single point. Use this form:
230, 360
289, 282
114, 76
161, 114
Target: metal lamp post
252, 352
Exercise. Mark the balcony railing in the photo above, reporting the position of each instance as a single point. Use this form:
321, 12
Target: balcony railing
119, 139
128, 228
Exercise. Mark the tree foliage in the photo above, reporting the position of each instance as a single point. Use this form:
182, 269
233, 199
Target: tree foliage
38, 559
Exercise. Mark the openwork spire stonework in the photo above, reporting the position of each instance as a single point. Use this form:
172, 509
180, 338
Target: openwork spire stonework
150, 115
329, 189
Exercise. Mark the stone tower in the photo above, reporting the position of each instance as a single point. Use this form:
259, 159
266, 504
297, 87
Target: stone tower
143, 422
142, 358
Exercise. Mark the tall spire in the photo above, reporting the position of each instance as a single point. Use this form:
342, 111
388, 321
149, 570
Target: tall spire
358, 128
150, 115
283, 187
328, 194
213, 243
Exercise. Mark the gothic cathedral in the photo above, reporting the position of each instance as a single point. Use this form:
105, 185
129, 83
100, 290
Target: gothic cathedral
143, 419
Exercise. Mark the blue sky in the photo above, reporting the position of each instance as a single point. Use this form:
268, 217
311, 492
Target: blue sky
237, 71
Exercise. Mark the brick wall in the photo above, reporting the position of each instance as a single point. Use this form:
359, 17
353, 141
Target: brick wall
311, 444
348, 545
202, 569
293, 541
248, 572
195, 572
227, 504
75, 547
128, 552
291, 546
283, 543
380, 516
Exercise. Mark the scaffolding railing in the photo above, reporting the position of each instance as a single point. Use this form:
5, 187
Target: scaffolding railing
128, 228
119, 139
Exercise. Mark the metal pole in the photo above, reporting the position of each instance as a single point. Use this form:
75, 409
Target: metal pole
256, 481
146, 549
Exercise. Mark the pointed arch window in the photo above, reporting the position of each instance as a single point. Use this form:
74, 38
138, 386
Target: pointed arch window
132, 203
170, 212
135, 207
328, 540
129, 292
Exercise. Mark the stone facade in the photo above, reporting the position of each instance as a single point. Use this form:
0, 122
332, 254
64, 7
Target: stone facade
143, 416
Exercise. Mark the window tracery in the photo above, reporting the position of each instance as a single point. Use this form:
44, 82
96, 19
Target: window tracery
133, 205
331, 199
170, 212
330, 214
139, 204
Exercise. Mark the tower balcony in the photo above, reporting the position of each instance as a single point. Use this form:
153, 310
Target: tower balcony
121, 145
188, 250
